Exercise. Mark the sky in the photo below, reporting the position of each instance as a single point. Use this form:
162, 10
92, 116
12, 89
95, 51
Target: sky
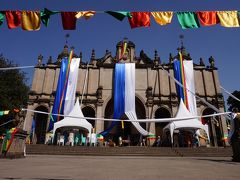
102, 32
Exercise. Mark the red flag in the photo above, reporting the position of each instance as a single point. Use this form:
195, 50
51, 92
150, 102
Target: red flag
208, 18
13, 19
139, 19
69, 20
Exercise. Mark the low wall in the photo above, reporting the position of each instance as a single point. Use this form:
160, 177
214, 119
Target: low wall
17, 148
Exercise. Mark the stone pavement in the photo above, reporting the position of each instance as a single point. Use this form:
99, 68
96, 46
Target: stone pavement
54, 167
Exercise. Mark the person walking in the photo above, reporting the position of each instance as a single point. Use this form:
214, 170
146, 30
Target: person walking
234, 135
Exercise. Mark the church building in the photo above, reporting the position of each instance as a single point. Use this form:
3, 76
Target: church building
155, 92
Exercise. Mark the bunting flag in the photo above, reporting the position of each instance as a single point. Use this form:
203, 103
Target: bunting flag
71, 86
6, 112
188, 20
208, 18
163, 18
238, 14
228, 18
85, 14
69, 20
7, 142
45, 15
30, 20
14, 19
60, 91
120, 15
139, 19
2, 15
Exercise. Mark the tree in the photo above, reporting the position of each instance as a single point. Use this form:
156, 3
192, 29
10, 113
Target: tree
231, 102
13, 91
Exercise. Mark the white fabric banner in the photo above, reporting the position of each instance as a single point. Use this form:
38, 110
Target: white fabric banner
130, 109
71, 86
130, 87
190, 85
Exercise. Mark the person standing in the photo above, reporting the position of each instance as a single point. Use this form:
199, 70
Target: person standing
234, 135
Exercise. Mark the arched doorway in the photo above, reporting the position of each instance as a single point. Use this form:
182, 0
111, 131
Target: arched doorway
41, 125
129, 131
89, 112
162, 112
214, 127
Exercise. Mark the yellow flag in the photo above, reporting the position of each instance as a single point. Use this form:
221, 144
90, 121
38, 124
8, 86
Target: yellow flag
163, 18
228, 18
6, 112
86, 14
30, 20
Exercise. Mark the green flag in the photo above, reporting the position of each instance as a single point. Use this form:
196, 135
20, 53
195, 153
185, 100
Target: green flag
2, 15
45, 15
188, 20
120, 15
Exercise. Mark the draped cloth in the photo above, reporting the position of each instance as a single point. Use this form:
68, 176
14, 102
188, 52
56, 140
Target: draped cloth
120, 15
13, 19
190, 86
119, 96
178, 77
69, 20
163, 18
30, 20
130, 109
71, 86
60, 92
228, 18
124, 96
139, 19
188, 20
208, 18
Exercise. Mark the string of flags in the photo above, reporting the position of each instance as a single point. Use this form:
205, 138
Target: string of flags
31, 20
6, 112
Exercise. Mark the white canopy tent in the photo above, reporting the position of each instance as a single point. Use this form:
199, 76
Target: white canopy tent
74, 122
190, 124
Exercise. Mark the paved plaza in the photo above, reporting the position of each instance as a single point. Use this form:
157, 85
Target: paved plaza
46, 167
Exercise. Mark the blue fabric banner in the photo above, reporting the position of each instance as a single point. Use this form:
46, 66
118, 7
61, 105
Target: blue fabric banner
59, 93
119, 96
178, 76
33, 126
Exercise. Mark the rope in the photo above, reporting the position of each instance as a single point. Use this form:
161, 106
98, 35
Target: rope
137, 120
230, 94
11, 68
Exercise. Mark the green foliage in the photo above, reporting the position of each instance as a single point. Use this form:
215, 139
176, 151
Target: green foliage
13, 92
233, 103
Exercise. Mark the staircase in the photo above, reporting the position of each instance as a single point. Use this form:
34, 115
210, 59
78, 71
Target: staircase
128, 151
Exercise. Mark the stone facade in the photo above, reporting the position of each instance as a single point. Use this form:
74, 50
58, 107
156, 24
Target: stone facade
156, 95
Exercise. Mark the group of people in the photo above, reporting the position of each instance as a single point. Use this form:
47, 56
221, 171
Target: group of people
73, 138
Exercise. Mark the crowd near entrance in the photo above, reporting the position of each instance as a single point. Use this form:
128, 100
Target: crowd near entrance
125, 133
